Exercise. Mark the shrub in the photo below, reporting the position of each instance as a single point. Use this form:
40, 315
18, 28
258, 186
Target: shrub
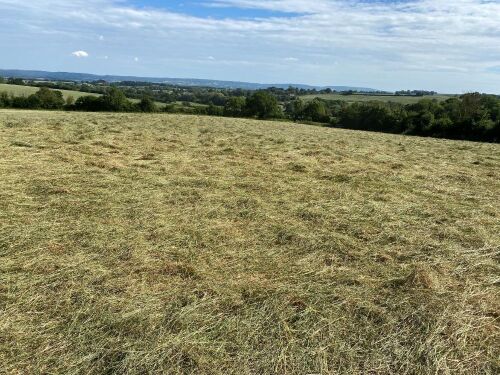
262, 105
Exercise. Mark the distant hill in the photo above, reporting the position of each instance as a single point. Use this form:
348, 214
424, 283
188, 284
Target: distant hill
66, 76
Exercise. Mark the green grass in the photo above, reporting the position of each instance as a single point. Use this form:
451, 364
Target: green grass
18, 90
149, 244
366, 98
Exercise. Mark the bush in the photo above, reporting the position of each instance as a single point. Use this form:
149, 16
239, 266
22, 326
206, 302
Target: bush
5, 100
235, 106
147, 105
49, 99
114, 100
87, 103
262, 105
315, 111
16, 81
214, 110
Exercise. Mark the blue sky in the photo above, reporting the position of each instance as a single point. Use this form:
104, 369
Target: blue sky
202, 8
445, 45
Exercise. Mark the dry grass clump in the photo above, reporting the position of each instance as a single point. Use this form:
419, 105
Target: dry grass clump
194, 245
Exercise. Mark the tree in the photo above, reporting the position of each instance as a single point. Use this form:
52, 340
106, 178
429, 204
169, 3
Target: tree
235, 106
2, 80
214, 110
114, 100
16, 81
262, 105
70, 101
315, 110
147, 105
294, 109
30, 102
88, 103
49, 99
4, 100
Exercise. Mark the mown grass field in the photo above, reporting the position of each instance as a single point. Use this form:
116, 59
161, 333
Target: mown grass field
18, 90
367, 98
172, 244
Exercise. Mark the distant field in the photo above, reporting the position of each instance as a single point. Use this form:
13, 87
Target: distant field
169, 244
367, 98
28, 90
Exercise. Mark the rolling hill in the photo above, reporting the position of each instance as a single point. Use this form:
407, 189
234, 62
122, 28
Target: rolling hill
61, 76
18, 90
138, 244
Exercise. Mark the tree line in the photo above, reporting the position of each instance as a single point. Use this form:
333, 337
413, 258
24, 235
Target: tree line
113, 100
471, 116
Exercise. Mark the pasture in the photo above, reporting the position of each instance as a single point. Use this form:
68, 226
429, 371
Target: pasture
360, 98
147, 244
18, 90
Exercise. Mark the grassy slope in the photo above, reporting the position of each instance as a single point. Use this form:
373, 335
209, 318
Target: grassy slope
28, 90
367, 98
163, 243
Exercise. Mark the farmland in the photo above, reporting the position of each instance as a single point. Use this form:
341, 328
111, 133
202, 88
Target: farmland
361, 98
155, 243
19, 90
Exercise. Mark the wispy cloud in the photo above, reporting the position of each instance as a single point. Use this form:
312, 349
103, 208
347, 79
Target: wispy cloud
342, 39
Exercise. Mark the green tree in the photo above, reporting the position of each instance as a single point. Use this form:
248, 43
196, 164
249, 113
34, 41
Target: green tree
315, 110
147, 105
2, 80
49, 99
88, 103
262, 105
214, 110
16, 81
294, 109
30, 102
235, 106
70, 101
4, 100
114, 100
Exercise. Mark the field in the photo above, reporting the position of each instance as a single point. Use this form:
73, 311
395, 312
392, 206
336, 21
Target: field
366, 98
173, 244
18, 90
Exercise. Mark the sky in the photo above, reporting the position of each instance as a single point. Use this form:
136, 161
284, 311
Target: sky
451, 46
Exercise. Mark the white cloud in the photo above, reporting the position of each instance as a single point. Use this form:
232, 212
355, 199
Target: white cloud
101, 37
80, 54
411, 38
136, 59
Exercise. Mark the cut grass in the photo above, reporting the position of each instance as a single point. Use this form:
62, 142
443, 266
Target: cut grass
356, 98
194, 245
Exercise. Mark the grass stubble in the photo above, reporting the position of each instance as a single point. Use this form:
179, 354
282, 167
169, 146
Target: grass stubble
194, 245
